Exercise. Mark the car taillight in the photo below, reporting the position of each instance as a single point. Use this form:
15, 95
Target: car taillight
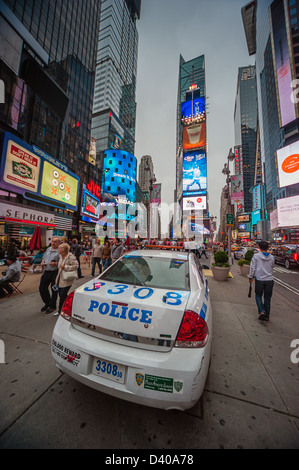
295, 256
193, 332
66, 311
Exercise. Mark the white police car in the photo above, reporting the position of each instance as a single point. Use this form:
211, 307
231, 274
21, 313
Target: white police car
141, 331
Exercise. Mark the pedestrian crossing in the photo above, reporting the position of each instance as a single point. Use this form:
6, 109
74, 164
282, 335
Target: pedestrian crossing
285, 270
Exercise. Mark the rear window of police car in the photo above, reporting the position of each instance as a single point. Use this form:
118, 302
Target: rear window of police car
163, 273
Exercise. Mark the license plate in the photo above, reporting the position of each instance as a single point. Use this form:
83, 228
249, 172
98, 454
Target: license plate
109, 370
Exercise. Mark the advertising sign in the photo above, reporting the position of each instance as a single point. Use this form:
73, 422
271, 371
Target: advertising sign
193, 108
156, 194
90, 205
257, 197
288, 165
288, 212
194, 173
237, 191
244, 218
119, 174
30, 171
22, 167
58, 185
255, 216
194, 136
194, 203
282, 63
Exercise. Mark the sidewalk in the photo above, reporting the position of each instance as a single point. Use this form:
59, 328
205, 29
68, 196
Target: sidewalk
32, 280
251, 366
250, 399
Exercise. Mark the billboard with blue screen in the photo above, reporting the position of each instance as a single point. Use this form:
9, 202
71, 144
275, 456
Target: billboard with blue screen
194, 173
119, 174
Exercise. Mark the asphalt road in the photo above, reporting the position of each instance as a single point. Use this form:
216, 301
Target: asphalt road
287, 284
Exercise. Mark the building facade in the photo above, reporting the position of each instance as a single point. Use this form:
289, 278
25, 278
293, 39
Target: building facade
272, 33
191, 189
114, 105
47, 65
245, 124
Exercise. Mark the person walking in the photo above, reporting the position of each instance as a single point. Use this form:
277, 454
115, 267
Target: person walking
12, 274
106, 257
76, 250
67, 273
97, 253
261, 267
50, 264
203, 251
116, 250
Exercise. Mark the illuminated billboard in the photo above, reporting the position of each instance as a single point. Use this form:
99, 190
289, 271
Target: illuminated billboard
194, 173
193, 108
59, 185
22, 167
28, 170
288, 165
90, 205
194, 136
119, 174
194, 203
256, 216
282, 64
288, 212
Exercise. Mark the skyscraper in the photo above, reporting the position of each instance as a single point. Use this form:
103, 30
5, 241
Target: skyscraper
191, 145
114, 106
47, 65
245, 122
272, 33
145, 172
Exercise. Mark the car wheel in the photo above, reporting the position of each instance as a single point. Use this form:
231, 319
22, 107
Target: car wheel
287, 264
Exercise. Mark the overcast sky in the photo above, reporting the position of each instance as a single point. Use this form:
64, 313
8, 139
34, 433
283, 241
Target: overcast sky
168, 28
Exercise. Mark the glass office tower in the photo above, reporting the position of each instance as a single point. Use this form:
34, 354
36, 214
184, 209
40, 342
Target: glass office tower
48, 65
265, 23
114, 106
245, 122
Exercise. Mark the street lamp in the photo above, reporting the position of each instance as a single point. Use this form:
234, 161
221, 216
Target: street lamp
226, 171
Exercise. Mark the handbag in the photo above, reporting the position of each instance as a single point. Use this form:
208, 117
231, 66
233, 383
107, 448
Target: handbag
68, 275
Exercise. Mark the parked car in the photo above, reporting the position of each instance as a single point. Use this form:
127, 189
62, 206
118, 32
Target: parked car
240, 254
141, 331
288, 255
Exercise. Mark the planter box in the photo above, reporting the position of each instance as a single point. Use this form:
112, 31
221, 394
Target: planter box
220, 274
245, 270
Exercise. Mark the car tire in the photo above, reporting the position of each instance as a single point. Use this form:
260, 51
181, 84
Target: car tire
287, 264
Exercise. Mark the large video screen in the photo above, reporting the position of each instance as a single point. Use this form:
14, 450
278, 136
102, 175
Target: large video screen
194, 173
192, 108
90, 205
288, 164
119, 174
59, 185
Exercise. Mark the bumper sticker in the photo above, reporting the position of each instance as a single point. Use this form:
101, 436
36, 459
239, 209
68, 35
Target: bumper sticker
159, 384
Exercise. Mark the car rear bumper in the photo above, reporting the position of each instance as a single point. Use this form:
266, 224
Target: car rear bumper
167, 380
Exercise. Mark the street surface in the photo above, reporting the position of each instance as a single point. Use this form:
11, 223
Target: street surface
250, 399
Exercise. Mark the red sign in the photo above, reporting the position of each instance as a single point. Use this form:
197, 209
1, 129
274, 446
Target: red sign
94, 188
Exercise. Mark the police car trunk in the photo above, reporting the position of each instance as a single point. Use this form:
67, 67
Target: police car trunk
139, 301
